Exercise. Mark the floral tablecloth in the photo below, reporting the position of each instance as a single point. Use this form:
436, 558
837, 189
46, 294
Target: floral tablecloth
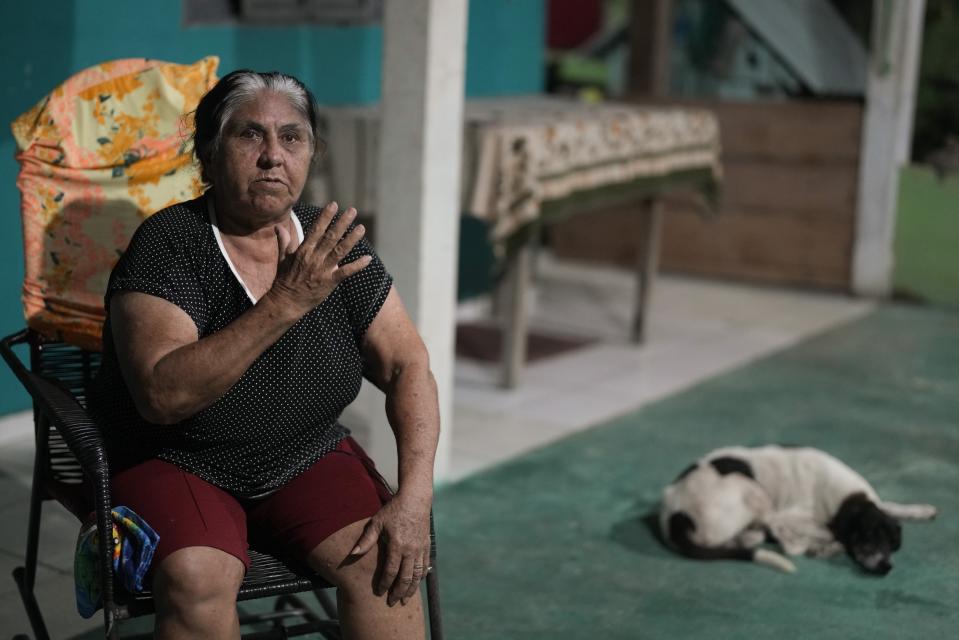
531, 151
520, 153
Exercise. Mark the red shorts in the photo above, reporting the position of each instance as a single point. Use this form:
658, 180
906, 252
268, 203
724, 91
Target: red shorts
341, 488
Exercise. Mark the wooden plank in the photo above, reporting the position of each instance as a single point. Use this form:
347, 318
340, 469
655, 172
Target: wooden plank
796, 131
801, 249
650, 29
788, 212
515, 318
796, 250
781, 188
647, 264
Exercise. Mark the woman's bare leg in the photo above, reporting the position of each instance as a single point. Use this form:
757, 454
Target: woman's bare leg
195, 593
363, 614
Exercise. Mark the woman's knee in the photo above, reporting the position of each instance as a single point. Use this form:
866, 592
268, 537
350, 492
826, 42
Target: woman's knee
352, 575
197, 575
358, 575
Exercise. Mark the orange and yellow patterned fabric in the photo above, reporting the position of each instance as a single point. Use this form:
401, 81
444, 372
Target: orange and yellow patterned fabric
106, 149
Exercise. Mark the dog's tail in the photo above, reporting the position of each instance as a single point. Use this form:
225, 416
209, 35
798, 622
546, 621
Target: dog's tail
680, 528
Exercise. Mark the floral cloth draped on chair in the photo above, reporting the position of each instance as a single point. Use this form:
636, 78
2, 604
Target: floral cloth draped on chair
103, 151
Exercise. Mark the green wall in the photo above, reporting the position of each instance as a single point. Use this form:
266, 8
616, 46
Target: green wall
44, 43
927, 238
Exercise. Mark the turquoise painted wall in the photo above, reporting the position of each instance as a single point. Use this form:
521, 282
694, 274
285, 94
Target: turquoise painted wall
45, 43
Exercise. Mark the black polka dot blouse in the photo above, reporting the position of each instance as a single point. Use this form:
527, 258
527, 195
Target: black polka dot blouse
281, 415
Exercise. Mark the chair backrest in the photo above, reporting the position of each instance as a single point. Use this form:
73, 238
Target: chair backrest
104, 150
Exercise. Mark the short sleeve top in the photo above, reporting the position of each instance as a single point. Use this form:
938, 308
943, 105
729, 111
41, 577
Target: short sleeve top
281, 416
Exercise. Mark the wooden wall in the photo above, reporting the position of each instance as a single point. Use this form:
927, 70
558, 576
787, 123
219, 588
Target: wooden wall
789, 202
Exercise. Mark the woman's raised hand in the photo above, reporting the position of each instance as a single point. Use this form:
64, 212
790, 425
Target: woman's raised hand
306, 276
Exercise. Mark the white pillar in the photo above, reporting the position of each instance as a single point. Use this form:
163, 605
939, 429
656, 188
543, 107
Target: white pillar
417, 214
886, 135
912, 56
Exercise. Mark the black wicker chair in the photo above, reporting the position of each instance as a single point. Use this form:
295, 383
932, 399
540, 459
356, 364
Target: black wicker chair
71, 460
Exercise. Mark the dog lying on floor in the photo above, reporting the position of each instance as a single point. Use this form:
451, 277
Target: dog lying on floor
731, 501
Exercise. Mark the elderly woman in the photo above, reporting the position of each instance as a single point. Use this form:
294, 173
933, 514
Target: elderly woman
239, 326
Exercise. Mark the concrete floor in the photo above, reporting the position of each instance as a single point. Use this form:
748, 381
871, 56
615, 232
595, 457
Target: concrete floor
697, 329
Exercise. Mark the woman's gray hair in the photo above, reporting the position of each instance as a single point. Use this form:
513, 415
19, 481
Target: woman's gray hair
233, 90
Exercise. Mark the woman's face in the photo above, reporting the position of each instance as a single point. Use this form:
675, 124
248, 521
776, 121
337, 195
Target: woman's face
264, 159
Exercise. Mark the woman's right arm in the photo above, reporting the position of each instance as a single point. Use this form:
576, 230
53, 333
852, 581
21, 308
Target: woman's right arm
172, 375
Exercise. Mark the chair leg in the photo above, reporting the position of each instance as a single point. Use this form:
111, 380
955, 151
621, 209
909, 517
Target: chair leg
329, 606
26, 576
112, 626
291, 605
329, 628
433, 603
30, 605
433, 589
36, 507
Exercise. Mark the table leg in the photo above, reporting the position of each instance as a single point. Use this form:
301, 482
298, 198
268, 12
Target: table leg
647, 264
513, 318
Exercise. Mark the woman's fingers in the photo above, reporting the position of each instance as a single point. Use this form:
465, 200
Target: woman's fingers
371, 534
406, 580
390, 570
412, 569
346, 243
328, 244
313, 270
319, 228
334, 233
325, 246
345, 271
283, 242
420, 568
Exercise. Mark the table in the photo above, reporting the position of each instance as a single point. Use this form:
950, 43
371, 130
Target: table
531, 160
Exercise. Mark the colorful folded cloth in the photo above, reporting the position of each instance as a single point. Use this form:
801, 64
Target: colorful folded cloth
104, 150
134, 542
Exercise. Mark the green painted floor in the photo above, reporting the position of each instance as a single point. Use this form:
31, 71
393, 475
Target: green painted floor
554, 545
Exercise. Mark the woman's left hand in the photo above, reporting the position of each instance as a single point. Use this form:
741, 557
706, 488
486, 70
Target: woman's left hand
402, 526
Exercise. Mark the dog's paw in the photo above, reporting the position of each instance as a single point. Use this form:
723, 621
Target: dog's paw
751, 538
824, 549
928, 512
910, 511
792, 544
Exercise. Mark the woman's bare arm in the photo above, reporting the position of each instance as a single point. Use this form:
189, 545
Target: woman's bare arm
400, 367
173, 375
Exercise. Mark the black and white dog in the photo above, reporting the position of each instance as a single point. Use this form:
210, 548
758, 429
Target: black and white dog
728, 503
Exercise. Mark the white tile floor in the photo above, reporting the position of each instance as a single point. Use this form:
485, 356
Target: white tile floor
697, 329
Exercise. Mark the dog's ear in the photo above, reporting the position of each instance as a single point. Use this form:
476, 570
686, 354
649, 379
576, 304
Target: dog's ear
727, 464
885, 527
845, 520
896, 535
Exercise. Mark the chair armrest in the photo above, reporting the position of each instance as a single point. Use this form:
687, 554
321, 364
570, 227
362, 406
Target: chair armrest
84, 440
73, 422
75, 425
